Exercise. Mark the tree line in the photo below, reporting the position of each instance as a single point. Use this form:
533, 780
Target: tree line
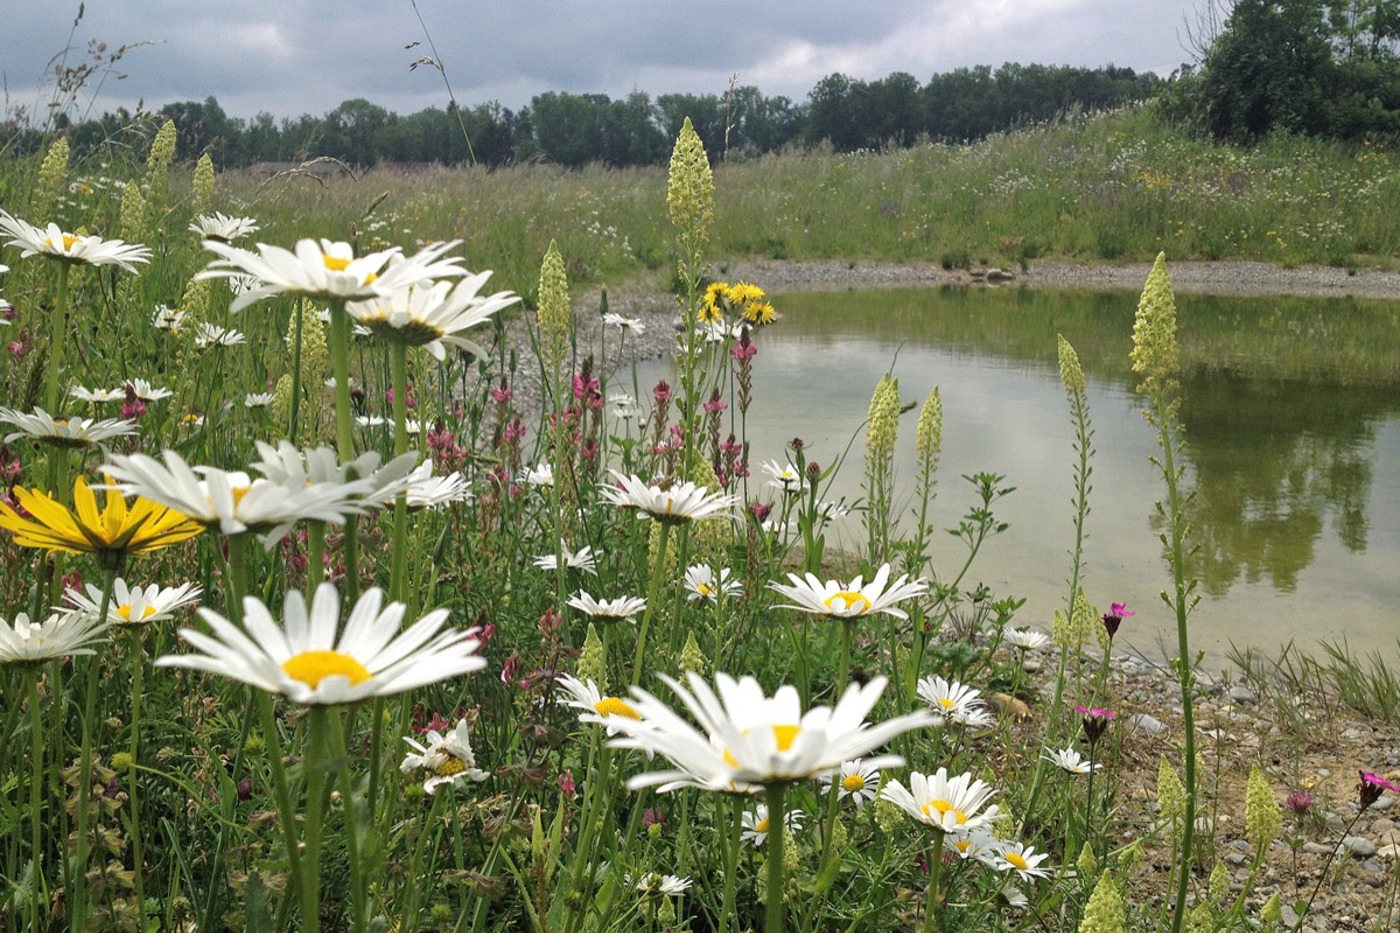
578, 129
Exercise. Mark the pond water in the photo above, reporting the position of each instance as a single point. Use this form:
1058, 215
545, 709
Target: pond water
1292, 413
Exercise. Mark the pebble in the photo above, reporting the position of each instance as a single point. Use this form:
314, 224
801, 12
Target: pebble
1149, 724
1316, 848
1385, 803
1243, 695
1235, 858
1359, 845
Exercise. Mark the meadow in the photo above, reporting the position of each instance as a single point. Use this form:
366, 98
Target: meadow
311, 624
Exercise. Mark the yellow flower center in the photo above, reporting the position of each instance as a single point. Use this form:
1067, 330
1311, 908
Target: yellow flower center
311, 667
704, 589
68, 241
947, 702
942, 807
124, 611
854, 601
450, 767
761, 826
1017, 860
612, 706
336, 263
852, 783
783, 735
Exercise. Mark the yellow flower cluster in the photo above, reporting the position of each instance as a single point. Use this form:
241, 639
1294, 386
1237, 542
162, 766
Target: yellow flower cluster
133, 217
690, 188
747, 300
1263, 818
928, 435
51, 175
556, 316
882, 422
1071, 373
593, 659
203, 184
158, 162
1156, 356
1105, 912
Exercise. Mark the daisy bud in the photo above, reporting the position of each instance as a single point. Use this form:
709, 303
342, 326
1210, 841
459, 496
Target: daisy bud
1262, 816
1156, 356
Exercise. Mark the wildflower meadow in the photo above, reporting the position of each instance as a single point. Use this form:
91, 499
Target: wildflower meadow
310, 622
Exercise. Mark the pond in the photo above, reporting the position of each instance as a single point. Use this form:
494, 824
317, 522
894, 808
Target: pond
1292, 413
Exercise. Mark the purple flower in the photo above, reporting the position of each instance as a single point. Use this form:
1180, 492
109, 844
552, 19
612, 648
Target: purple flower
1371, 786
1117, 612
1095, 721
1299, 802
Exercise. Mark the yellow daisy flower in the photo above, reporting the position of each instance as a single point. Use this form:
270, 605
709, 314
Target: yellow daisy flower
112, 533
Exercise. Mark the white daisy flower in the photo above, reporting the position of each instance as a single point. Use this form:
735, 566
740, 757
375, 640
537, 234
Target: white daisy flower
96, 396
950, 700
701, 584
654, 883
143, 390
947, 805
61, 635
585, 696
1070, 760
978, 844
208, 335
258, 399
849, 600
582, 560
746, 738
132, 605
223, 228
233, 502
1026, 639
306, 661
635, 325
756, 826
625, 608
447, 759
426, 491
1023, 860
858, 782
53, 243
683, 502
320, 467
785, 476
325, 270
167, 318
430, 315
64, 432
542, 475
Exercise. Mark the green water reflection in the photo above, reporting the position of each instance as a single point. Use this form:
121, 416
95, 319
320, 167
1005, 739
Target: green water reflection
1292, 409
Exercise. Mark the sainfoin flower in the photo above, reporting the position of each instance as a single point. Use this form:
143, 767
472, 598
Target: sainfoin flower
430, 315
446, 759
683, 502
61, 635
133, 605
305, 660
112, 534
746, 738
53, 243
949, 805
849, 600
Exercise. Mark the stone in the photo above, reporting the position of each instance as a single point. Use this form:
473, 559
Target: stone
1316, 848
1235, 858
1149, 724
1359, 845
1243, 695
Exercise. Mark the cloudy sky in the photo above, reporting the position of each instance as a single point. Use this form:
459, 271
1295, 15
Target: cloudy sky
290, 57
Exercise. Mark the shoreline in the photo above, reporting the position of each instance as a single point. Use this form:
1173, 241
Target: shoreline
1226, 277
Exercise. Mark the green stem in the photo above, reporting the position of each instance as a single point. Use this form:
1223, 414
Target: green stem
286, 816
658, 571
138, 660
296, 368
78, 904
39, 895
358, 901
340, 368
774, 914
313, 765
58, 332
935, 870
398, 361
